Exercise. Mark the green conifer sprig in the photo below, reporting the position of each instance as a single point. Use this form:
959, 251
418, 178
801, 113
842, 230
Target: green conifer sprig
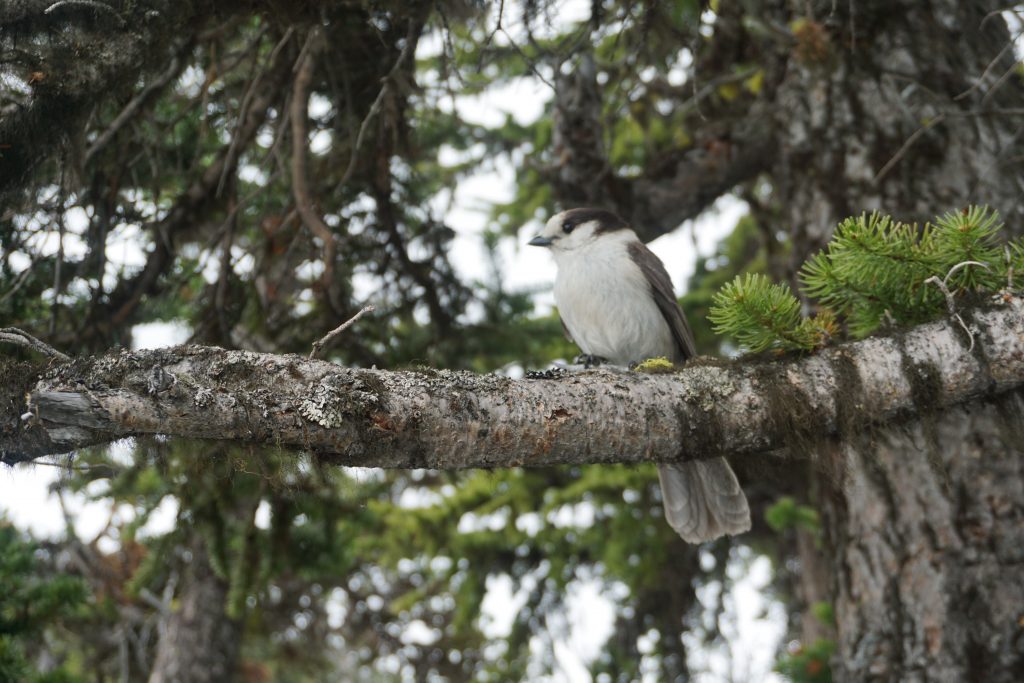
762, 315
970, 235
1014, 264
874, 266
873, 270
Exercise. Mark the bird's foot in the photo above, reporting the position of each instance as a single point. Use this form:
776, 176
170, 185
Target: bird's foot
550, 373
588, 360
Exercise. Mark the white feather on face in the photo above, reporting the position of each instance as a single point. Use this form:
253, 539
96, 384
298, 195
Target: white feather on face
578, 236
603, 297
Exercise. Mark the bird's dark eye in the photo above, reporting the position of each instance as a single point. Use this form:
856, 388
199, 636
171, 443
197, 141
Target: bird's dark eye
567, 227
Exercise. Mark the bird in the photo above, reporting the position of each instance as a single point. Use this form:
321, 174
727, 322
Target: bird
616, 302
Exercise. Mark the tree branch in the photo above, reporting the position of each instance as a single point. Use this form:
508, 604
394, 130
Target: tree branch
304, 202
447, 420
733, 141
13, 335
658, 204
326, 339
188, 211
386, 86
137, 102
109, 60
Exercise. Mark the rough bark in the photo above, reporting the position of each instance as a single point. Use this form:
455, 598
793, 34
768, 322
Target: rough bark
906, 107
814, 587
900, 107
928, 531
449, 420
199, 643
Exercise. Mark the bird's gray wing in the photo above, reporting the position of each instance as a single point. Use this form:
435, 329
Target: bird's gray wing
702, 498
661, 288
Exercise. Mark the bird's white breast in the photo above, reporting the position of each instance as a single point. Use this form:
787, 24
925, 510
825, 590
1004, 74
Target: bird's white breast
606, 302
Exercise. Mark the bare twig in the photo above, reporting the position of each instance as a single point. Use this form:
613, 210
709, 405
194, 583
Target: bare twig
161, 606
133, 107
448, 49
526, 58
707, 89
92, 4
889, 165
317, 345
67, 466
13, 335
376, 106
224, 277
1000, 82
243, 112
961, 266
943, 285
272, 59
984, 74
951, 307
374, 110
490, 36
300, 180
1009, 268
19, 281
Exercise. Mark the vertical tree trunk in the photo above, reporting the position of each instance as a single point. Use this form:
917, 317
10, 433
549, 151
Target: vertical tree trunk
884, 107
928, 535
199, 642
895, 106
814, 588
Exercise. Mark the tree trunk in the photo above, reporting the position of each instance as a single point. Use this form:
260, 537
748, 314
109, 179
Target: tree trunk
198, 643
898, 107
890, 106
928, 535
814, 587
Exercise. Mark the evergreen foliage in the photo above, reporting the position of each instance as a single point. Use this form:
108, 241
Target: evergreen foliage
762, 315
787, 513
874, 270
29, 604
808, 664
746, 249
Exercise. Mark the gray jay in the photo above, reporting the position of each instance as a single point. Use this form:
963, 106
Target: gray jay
616, 302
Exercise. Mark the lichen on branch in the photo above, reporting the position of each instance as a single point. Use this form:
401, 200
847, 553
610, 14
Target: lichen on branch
451, 420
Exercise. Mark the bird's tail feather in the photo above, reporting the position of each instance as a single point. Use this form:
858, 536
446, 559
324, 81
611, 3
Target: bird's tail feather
703, 500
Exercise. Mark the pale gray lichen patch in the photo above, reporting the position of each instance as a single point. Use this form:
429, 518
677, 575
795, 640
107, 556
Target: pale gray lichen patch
335, 398
445, 382
706, 385
159, 380
203, 397
229, 361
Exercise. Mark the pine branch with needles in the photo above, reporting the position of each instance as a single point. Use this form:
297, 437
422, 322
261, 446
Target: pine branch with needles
874, 271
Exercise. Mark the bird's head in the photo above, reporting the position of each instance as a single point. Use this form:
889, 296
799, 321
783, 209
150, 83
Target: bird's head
576, 228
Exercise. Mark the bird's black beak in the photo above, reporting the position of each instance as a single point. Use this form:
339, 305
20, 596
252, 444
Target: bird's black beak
540, 241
